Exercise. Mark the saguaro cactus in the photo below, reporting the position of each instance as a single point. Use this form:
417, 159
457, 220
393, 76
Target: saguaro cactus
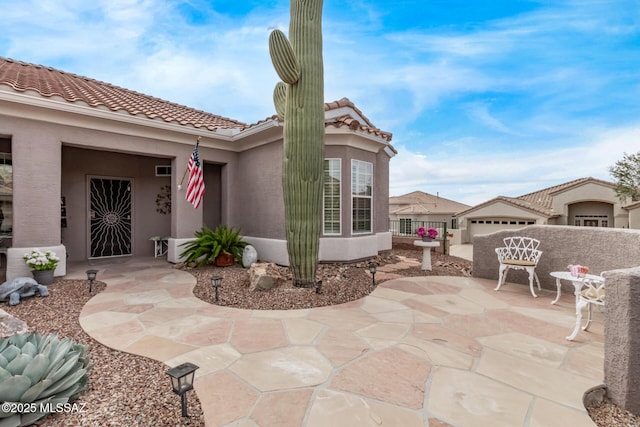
299, 100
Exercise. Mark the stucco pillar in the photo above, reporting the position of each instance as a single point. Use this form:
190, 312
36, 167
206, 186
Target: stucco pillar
622, 338
37, 167
185, 219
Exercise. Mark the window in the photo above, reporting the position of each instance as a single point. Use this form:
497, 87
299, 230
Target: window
6, 187
163, 170
331, 197
361, 195
405, 226
592, 220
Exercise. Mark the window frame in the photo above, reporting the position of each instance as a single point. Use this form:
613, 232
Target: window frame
354, 170
328, 161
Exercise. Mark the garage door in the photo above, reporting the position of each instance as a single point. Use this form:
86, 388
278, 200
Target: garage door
491, 225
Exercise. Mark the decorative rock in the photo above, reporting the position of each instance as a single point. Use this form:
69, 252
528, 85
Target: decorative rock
249, 256
21, 287
260, 278
10, 325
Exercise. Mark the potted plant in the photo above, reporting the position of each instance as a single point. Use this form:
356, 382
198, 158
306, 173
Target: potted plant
427, 235
42, 265
222, 246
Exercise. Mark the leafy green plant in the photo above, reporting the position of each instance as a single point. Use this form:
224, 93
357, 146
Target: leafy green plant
39, 373
209, 244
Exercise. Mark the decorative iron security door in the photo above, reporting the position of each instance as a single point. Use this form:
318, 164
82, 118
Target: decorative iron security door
110, 217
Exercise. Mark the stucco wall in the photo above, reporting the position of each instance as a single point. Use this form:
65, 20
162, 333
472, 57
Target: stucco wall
36, 185
501, 210
634, 218
601, 249
212, 200
381, 195
257, 200
622, 338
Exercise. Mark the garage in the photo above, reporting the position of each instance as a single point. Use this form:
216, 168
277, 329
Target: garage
491, 225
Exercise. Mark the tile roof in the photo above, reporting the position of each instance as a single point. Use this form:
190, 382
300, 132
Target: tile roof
347, 120
541, 201
418, 202
50, 82
352, 123
544, 197
511, 201
632, 205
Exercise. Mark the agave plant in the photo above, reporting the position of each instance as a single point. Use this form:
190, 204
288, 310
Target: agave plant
209, 244
42, 371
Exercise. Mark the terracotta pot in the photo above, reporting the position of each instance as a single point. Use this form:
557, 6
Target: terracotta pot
224, 259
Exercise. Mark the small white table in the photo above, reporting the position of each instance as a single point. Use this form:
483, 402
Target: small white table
577, 282
426, 252
161, 245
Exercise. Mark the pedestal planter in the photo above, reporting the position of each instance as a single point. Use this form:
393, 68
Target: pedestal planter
43, 277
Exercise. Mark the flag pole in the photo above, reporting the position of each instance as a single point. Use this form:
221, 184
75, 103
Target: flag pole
186, 169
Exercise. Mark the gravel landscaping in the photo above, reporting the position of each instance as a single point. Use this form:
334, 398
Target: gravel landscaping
130, 390
124, 389
340, 282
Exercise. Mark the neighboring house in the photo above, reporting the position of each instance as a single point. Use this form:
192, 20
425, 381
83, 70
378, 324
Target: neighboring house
634, 214
586, 202
418, 207
92, 170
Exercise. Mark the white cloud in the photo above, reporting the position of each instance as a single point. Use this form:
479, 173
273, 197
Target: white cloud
480, 112
474, 177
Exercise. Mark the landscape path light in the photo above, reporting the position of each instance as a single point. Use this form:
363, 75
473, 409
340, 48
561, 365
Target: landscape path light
182, 381
216, 282
91, 277
373, 267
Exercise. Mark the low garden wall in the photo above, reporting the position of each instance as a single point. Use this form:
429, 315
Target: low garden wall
622, 338
600, 249
614, 253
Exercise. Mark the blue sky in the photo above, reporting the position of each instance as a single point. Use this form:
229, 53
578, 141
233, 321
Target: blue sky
483, 97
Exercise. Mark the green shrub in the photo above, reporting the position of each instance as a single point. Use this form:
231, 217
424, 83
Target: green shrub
37, 373
209, 244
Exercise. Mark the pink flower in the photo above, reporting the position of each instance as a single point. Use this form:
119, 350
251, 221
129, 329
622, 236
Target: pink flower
420, 231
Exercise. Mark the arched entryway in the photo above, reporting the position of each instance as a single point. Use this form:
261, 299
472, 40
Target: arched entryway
591, 214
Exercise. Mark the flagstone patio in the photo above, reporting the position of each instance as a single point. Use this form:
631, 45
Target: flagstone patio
436, 351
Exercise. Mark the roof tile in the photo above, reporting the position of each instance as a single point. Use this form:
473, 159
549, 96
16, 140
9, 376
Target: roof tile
49, 82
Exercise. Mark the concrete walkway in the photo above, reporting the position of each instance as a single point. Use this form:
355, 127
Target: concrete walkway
425, 351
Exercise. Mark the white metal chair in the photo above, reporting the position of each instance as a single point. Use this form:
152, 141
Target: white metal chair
593, 292
519, 253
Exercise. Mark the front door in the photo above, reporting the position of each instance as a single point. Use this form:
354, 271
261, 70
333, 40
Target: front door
109, 217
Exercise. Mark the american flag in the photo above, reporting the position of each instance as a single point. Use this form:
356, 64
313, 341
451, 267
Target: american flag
195, 185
